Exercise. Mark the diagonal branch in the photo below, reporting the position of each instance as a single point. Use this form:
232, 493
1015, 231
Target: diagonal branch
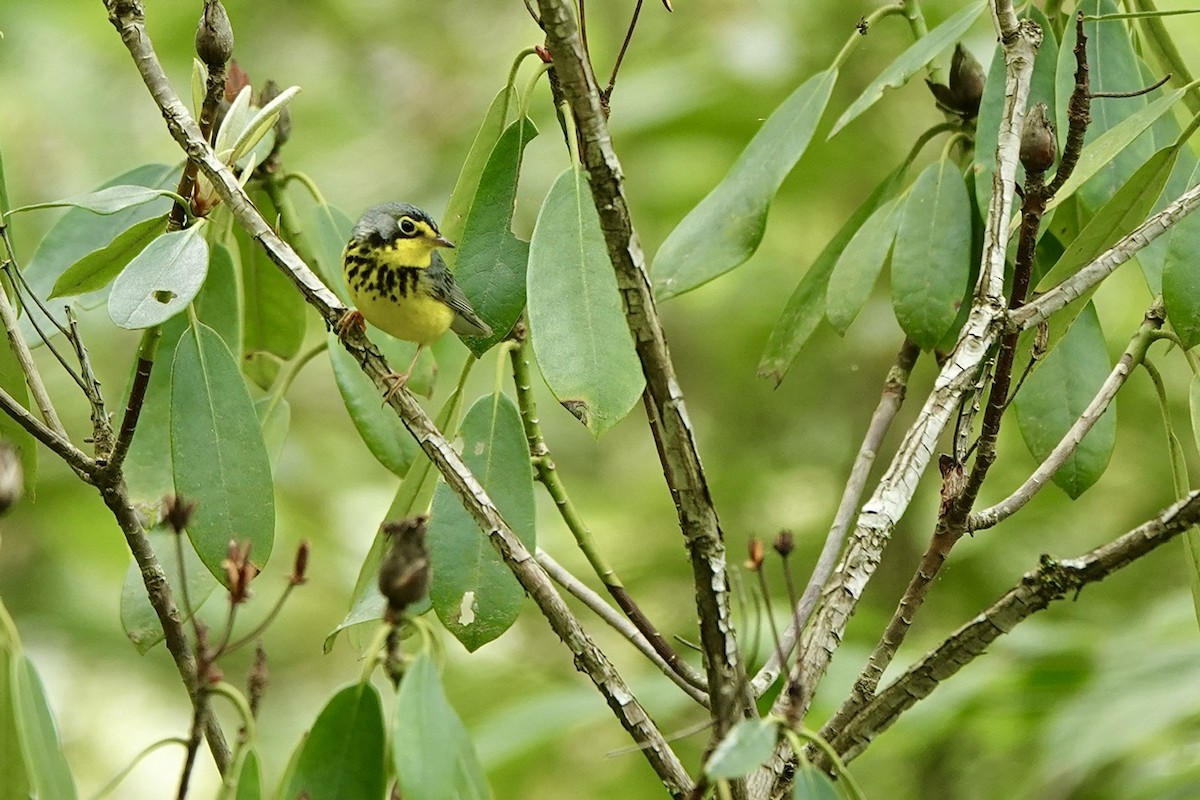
128, 19
1052, 581
663, 397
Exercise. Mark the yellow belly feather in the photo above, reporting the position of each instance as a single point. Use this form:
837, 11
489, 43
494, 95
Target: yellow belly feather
405, 312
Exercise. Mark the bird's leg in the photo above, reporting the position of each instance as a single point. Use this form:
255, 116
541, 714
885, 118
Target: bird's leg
351, 320
397, 380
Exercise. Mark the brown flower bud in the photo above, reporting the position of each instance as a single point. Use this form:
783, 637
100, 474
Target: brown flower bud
755, 547
214, 36
404, 573
966, 80
177, 512
301, 565
785, 543
963, 95
1039, 147
12, 478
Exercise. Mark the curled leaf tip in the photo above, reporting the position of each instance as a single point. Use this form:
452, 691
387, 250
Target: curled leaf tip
579, 409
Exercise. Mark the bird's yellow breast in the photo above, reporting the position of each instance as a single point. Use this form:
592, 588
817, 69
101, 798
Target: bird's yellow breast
389, 293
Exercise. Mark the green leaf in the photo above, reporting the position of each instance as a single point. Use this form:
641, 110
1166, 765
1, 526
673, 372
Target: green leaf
1114, 145
342, 757
475, 595
249, 782
4, 206
931, 259
332, 232
1125, 211
431, 751
1194, 407
381, 430
744, 749
806, 306
147, 467
578, 328
12, 381
46, 768
138, 617
1180, 278
858, 267
98, 267
79, 233
217, 451
455, 218
1057, 392
275, 416
274, 321
911, 61
261, 123
161, 280
813, 784
106, 201
726, 227
991, 107
413, 497
218, 304
491, 260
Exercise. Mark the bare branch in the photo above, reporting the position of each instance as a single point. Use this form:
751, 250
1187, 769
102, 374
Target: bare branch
1052, 581
57, 443
664, 401
588, 658
1132, 356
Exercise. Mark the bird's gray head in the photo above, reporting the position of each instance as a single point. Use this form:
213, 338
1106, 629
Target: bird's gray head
388, 222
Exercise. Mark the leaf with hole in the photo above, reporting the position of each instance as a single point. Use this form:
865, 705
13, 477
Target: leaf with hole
492, 261
726, 227
78, 233
161, 280
343, 756
431, 751
931, 259
911, 61
1055, 395
218, 456
475, 595
577, 326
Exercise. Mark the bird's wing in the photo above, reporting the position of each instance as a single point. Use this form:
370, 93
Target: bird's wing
442, 287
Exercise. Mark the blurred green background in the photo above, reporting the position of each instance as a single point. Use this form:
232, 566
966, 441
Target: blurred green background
1098, 698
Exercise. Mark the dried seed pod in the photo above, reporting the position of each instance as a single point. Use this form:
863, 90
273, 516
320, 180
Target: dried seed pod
214, 36
1039, 146
404, 573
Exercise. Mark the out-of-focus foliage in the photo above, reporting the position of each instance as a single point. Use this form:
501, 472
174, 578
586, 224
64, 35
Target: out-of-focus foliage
1092, 700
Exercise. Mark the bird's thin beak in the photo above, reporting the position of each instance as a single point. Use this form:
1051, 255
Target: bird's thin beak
442, 241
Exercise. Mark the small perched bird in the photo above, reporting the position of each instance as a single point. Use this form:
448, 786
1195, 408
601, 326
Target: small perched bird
401, 285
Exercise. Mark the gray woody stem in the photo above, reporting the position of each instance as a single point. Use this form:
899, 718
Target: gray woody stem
1053, 580
664, 402
128, 19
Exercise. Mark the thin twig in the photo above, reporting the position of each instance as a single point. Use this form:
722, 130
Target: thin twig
147, 349
606, 94
548, 476
620, 624
12, 329
1053, 580
890, 401
60, 445
1135, 92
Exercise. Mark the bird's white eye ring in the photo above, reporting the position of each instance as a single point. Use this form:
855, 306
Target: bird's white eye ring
407, 226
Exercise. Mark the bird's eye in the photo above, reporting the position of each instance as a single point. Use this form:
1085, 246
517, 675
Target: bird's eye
407, 226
